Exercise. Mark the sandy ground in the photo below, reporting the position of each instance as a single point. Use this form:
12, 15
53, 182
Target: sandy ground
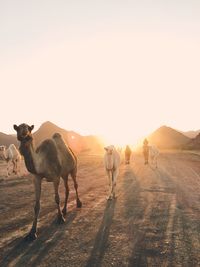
154, 221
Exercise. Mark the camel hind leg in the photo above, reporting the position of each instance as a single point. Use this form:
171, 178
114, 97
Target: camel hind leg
64, 210
114, 180
78, 202
110, 182
8, 168
18, 167
14, 166
57, 200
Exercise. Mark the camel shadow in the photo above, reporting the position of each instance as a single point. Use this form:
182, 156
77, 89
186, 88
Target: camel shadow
131, 189
31, 254
101, 239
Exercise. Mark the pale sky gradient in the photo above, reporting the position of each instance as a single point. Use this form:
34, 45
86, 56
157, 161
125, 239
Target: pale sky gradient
118, 68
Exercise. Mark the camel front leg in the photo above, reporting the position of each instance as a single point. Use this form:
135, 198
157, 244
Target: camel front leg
114, 180
57, 200
156, 163
110, 185
146, 158
37, 184
14, 166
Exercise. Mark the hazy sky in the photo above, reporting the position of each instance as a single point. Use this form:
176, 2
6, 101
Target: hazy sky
119, 68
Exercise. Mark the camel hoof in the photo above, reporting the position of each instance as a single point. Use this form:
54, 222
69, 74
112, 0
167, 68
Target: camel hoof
31, 237
64, 212
61, 219
79, 204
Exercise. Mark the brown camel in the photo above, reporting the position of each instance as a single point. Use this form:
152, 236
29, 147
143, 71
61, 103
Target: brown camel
51, 160
127, 155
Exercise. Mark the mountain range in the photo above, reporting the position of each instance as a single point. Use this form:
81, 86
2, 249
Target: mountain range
164, 138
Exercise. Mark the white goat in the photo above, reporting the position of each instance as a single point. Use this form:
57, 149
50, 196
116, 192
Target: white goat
111, 163
153, 153
11, 155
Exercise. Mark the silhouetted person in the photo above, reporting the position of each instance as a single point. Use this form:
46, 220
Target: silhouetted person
127, 155
146, 151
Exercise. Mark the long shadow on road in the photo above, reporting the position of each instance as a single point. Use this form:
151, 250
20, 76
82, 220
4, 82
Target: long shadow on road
31, 254
152, 219
101, 240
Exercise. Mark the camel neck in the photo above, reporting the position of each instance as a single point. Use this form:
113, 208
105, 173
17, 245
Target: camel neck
27, 150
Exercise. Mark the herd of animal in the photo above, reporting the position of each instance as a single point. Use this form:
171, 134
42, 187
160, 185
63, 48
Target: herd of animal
53, 159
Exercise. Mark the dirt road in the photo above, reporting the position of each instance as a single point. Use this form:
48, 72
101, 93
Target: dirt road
154, 221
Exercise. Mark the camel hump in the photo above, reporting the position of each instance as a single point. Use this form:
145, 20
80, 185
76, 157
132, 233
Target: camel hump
66, 154
59, 140
57, 135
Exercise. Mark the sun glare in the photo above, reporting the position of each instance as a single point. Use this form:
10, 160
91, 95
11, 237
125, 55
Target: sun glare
121, 138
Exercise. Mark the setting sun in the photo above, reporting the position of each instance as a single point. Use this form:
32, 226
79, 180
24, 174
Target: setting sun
122, 138
120, 80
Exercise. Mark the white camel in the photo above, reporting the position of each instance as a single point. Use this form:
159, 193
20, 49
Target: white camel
12, 157
154, 153
111, 163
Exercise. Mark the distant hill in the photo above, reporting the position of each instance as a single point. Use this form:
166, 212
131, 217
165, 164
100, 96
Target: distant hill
76, 141
47, 129
168, 138
191, 134
7, 139
194, 143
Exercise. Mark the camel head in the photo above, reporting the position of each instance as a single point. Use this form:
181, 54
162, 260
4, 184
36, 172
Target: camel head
2, 148
109, 149
23, 131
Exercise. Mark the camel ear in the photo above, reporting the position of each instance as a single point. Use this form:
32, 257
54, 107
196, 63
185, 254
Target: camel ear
31, 128
15, 127
106, 149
